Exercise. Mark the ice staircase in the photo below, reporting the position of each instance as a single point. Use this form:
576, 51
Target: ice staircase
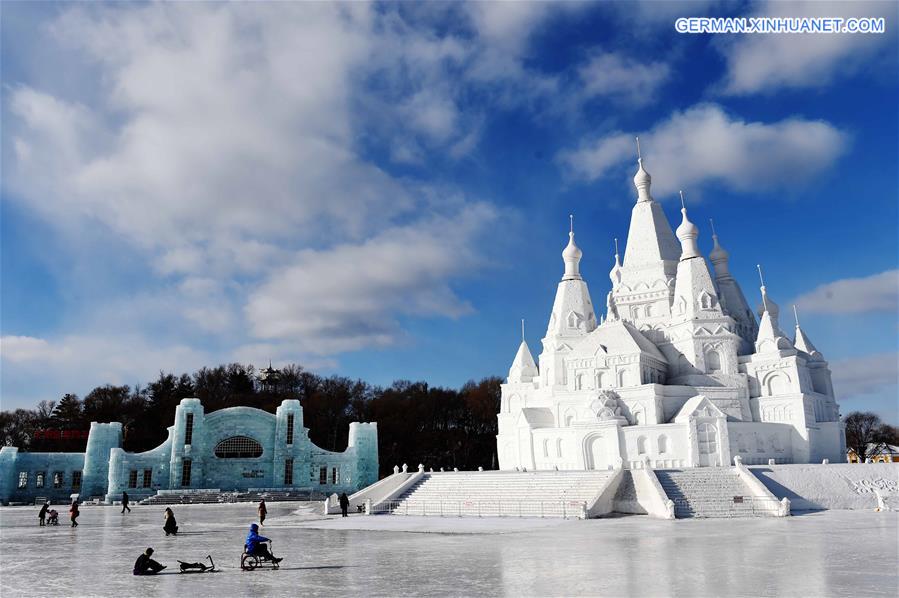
501, 494
710, 492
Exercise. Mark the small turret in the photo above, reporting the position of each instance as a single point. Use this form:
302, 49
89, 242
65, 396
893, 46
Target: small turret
802, 342
615, 272
770, 336
718, 256
523, 368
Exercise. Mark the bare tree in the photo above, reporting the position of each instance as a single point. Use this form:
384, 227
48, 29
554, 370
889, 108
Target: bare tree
863, 431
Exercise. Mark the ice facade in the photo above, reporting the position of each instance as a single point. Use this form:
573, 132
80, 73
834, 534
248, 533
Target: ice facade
238, 448
678, 371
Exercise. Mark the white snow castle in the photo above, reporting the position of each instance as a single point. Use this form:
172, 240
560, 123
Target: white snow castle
678, 372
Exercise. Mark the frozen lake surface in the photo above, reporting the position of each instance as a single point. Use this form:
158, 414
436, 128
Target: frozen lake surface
834, 553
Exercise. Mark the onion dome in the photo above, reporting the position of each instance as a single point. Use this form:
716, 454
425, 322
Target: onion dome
572, 255
687, 233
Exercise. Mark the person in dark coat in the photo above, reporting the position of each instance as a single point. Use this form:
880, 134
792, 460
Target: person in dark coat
42, 514
53, 517
171, 526
125, 502
144, 565
263, 511
255, 545
74, 512
344, 501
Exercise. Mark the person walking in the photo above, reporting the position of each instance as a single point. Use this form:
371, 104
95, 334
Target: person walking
74, 512
171, 526
344, 501
125, 502
144, 565
263, 511
42, 514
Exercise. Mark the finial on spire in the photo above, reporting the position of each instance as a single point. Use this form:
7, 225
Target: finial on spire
522, 329
682, 204
639, 156
764, 294
571, 222
616, 247
712, 222
796, 315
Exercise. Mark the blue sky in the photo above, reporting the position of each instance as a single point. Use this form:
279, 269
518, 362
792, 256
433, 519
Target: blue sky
382, 190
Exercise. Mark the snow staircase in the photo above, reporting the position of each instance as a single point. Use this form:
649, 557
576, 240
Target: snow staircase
502, 494
710, 492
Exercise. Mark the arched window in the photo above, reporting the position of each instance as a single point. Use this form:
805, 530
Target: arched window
712, 362
777, 384
622, 378
641, 445
663, 444
574, 320
546, 447
639, 419
579, 382
238, 447
558, 447
649, 311
569, 417
598, 379
637, 312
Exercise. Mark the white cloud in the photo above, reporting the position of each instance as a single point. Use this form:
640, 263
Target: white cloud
705, 144
865, 375
616, 76
38, 368
347, 297
227, 144
877, 293
767, 63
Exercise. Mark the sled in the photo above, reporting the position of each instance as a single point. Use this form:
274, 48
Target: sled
198, 567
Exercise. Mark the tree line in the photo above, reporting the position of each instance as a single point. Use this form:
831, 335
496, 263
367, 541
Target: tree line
417, 423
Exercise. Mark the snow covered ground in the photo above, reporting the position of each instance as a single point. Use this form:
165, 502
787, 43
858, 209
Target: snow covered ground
834, 553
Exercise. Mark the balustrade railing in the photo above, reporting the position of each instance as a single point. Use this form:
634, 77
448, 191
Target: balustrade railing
567, 509
737, 506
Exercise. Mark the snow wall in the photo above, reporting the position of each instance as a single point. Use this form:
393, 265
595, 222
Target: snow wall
832, 486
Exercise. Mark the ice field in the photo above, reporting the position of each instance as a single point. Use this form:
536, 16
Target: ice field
834, 553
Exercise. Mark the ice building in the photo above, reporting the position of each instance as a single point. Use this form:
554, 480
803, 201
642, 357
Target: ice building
234, 449
677, 371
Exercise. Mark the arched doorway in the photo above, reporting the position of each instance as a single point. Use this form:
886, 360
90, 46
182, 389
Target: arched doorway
595, 454
708, 444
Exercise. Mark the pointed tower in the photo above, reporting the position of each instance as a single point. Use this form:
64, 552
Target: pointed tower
523, 368
770, 337
646, 278
572, 315
694, 292
733, 301
703, 343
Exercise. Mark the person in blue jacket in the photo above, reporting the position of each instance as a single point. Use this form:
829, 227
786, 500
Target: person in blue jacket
255, 545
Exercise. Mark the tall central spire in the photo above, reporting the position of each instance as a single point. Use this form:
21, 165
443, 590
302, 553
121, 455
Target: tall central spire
649, 238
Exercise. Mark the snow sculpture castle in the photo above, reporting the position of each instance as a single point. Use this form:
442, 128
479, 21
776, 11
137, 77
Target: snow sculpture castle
678, 372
